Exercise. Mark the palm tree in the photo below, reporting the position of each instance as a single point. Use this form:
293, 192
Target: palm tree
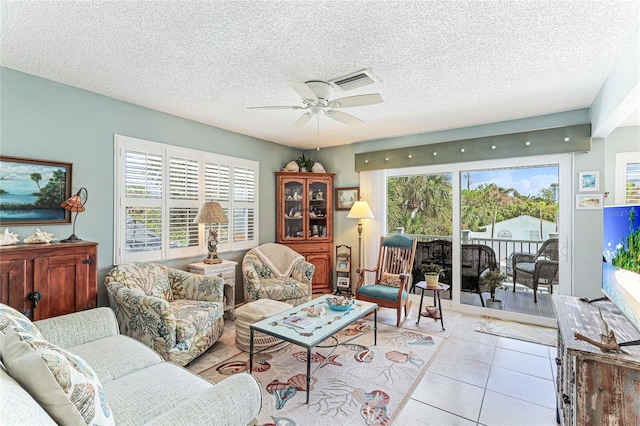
36, 177
417, 203
545, 209
495, 197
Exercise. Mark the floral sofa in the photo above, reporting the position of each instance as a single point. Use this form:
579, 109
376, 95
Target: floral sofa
176, 313
77, 369
274, 271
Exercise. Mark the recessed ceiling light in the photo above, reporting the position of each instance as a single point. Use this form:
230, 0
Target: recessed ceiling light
435, 153
527, 143
410, 155
386, 159
493, 147
567, 139
461, 149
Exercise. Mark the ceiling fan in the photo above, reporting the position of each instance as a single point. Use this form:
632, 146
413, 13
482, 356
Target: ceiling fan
315, 98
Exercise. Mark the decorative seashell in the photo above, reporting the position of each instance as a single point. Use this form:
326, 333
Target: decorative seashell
8, 238
39, 237
318, 168
292, 166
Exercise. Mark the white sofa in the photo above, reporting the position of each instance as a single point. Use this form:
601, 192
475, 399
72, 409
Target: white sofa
138, 385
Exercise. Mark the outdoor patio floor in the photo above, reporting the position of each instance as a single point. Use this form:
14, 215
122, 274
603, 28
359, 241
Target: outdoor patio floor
521, 301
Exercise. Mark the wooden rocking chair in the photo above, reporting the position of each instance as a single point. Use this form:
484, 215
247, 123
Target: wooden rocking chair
393, 275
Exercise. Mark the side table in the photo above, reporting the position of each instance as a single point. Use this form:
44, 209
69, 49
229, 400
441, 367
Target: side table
436, 302
227, 270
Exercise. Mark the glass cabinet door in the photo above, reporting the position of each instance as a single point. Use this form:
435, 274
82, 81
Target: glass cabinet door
318, 208
294, 210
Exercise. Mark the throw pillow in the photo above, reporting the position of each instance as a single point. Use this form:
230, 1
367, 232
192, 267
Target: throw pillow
62, 383
11, 318
392, 280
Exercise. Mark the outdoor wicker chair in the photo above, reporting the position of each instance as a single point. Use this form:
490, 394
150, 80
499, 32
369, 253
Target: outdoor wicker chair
541, 268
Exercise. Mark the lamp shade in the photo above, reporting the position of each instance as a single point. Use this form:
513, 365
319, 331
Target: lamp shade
360, 210
211, 212
75, 203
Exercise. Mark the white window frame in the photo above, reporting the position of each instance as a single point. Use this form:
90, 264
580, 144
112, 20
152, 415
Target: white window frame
165, 203
622, 160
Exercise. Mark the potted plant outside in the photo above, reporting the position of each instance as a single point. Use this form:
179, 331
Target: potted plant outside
493, 280
432, 273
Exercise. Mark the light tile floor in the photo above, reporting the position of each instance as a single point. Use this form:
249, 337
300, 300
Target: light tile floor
481, 379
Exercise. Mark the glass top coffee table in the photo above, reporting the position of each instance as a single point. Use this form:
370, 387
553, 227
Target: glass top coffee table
323, 328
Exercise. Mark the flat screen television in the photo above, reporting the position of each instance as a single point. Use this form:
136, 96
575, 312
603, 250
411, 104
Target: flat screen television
621, 259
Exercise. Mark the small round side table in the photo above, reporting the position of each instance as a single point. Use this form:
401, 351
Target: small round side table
436, 302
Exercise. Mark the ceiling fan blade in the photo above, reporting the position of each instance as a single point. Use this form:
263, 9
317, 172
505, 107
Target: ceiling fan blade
354, 101
275, 107
344, 118
304, 91
304, 119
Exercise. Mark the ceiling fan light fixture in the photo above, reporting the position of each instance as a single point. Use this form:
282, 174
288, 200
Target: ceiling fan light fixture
315, 96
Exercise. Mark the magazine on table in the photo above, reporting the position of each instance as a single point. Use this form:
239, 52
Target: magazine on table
299, 322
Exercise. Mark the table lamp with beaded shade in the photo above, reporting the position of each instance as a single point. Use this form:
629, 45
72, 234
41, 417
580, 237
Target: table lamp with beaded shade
211, 213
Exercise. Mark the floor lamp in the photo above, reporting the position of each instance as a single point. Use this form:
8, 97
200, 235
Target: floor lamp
360, 210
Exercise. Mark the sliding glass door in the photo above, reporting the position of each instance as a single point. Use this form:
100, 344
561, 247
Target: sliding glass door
507, 216
472, 218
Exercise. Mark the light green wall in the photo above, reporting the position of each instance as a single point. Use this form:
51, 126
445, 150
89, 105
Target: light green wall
46, 120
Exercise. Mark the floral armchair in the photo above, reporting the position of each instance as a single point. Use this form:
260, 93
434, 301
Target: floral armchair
274, 271
176, 313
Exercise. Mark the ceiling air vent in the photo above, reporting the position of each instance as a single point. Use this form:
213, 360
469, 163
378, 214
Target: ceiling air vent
354, 80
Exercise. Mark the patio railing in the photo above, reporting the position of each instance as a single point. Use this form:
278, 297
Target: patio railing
502, 248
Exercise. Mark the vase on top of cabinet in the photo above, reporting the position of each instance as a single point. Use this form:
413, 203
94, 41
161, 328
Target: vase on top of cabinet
304, 221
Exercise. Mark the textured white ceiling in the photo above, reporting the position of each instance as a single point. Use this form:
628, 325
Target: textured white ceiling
440, 64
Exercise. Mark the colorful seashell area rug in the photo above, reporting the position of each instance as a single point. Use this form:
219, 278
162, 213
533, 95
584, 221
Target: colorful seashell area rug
360, 384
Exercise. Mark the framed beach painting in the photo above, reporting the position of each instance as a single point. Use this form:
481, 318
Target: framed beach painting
589, 201
589, 181
345, 197
31, 191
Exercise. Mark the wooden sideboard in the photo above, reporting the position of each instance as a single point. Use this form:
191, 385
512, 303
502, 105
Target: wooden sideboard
63, 276
595, 388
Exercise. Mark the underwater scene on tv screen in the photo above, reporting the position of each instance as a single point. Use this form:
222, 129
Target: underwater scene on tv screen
621, 259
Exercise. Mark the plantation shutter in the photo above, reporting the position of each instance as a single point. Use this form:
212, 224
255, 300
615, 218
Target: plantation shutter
244, 205
627, 178
184, 174
159, 190
217, 187
142, 206
632, 179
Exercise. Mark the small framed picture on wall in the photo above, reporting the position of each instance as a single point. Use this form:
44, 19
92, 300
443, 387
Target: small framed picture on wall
345, 197
589, 201
588, 181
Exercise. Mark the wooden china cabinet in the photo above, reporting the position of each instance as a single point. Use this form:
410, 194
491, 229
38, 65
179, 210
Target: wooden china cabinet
304, 221
47, 280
